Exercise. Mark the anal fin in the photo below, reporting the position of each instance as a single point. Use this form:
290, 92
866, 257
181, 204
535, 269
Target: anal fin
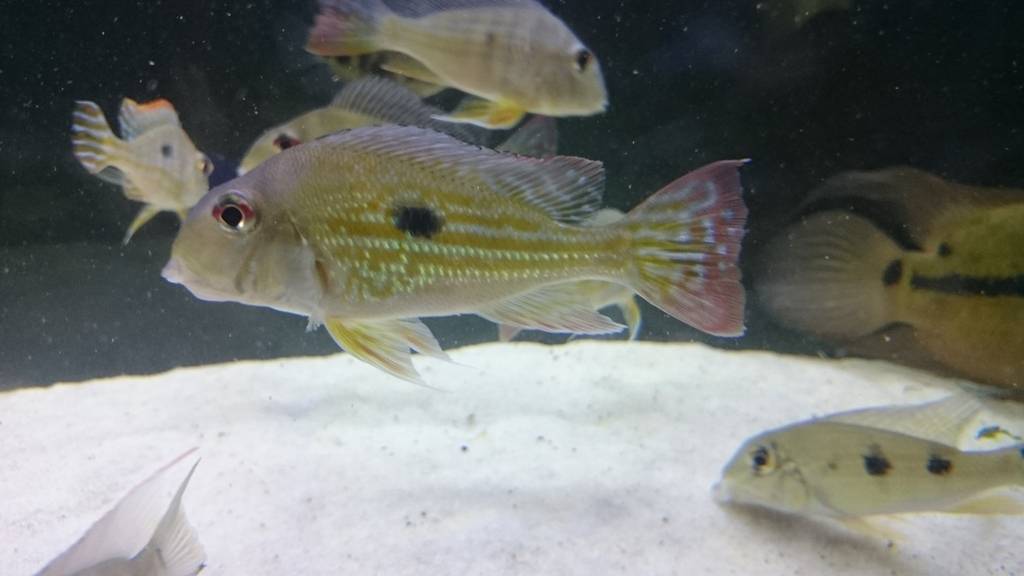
485, 113
386, 344
145, 214
554, 308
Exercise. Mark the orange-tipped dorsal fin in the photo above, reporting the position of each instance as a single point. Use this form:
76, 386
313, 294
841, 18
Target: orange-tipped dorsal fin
136, 118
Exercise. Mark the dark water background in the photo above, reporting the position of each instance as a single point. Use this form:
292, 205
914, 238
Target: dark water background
937, 85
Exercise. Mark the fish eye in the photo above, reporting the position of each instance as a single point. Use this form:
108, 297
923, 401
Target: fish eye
234, 214
166, 150
205, 165
761, 460
286, 141
582, 59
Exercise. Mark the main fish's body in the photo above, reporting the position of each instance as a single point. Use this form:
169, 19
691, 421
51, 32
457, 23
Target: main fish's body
513, 54
369, 229
841, 468
946, 285
154, 161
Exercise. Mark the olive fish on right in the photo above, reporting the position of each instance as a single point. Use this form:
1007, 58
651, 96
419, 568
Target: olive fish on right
903, 265
875, 461
513, 55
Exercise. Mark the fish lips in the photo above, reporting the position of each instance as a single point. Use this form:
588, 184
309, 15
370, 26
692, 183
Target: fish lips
177, 273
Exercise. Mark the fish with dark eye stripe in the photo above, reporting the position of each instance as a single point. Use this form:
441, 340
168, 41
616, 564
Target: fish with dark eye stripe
903, 265
875, 461
369, 229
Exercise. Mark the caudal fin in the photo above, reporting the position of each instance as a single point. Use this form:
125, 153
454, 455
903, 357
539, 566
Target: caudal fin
175, 541
830, 275
92, 141
686, 245
346, 28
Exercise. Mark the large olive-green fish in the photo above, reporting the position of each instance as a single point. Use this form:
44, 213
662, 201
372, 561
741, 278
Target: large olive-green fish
154, 161
116, 545
848, 466
513, 54
900, 263
368, 229
364, 102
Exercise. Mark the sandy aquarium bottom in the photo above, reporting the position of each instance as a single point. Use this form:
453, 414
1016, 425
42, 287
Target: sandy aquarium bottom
587, 458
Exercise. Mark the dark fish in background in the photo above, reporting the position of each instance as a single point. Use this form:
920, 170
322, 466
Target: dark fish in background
901, 264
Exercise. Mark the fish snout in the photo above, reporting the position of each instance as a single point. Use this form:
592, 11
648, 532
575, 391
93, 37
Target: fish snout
721, 493
172, 272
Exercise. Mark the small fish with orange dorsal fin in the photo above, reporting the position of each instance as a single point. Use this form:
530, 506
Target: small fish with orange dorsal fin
154, 160
117, 545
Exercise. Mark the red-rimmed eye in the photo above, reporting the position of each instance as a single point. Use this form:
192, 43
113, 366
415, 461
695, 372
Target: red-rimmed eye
285, 141
234, 214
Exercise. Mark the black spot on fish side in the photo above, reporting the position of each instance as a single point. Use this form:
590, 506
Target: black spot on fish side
876, 464
166, 150
284, 141
939, 466
418, 221
489, 39
893, 273
945, 250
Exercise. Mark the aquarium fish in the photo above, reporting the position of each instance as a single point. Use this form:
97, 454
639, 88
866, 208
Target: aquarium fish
846, 470
154, 161
369, 229
597, 294
514, 55
364, 102
944, 260
116, 545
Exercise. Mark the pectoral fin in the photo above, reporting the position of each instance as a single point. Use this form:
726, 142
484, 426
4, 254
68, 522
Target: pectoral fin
485, 113
555, 308
506, 333
631, 313
145, 215
987, 504
386, 344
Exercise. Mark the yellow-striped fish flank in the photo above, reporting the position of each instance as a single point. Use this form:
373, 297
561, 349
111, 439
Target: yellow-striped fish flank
485, 242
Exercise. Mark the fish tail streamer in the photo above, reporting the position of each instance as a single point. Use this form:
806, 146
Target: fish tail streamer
686, 245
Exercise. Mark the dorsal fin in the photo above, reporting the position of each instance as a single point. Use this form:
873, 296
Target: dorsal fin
568, 189
941, 421
392, 103
136, 118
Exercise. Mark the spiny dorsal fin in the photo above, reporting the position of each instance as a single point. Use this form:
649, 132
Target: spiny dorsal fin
392, 103
568, 189
123, 530
136, 118
537, 137
942, 421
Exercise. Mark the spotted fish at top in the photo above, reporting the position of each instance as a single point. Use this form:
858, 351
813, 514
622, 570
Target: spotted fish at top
154, 161
369, 229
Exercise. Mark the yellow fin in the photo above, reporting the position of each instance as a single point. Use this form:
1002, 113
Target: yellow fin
554, 308
485, 113
145, 215
987, 504
873, 529
631, 313
386, 343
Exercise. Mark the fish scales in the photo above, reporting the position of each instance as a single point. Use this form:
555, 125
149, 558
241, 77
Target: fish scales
510, 241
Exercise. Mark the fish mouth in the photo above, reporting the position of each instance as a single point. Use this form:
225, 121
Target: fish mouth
721, 493
177, 273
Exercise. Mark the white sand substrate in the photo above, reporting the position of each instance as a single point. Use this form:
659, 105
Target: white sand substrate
588, 458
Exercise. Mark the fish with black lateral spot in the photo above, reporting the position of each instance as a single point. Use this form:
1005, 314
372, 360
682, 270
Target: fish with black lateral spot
903, 265
875, 461
370, 229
